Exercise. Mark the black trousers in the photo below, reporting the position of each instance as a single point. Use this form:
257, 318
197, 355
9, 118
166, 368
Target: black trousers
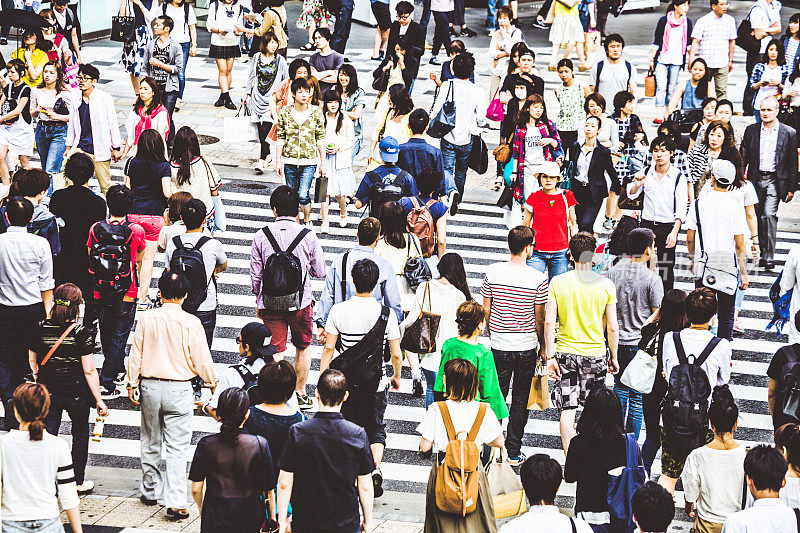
78, 411
263, 131
568, 140
441, 32
749, 92
17, 328
457, 16
664, 255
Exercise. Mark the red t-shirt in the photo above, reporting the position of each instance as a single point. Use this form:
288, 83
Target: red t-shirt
137, 245
549, 220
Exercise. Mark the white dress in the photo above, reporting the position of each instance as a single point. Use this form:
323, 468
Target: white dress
339, 166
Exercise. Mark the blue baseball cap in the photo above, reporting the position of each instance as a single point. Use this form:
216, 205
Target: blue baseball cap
390, 149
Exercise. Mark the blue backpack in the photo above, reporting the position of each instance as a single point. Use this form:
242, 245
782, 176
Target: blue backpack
780, 305
622, 487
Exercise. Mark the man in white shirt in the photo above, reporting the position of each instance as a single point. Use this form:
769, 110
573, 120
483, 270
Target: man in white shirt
470, 106
541, 476
666, 198
718, 234
653, 508
765, 21
765, 470
613, 74
714, 41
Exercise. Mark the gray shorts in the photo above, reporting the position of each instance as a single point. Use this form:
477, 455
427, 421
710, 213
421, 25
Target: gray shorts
579, 375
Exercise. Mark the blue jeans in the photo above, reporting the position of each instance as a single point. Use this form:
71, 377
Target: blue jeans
356, 149
630, 399
739, 299
115, 318
209, 321
430, 381
666, 81
36, 6
341, 28
182, 73
78, 411
299, 178
426, 15
455, 160
50, 143
491, 13
45, 525
551, 263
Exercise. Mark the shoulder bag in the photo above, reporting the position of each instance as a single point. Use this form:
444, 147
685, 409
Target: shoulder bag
496, 110
445, 119
123, 27
505, 488
722, 279
640, 374
420, 336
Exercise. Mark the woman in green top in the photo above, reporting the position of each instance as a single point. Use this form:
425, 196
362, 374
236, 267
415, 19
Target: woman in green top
471, 321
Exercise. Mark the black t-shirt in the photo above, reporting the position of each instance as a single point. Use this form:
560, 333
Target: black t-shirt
145, 177
775, 371
86, 142
63, 372
274, 428
15, 93
588, 464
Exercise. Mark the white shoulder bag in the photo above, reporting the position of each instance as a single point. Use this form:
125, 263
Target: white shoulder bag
640, 374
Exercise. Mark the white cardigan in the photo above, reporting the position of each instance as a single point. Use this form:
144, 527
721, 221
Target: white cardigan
344, 139
105, 129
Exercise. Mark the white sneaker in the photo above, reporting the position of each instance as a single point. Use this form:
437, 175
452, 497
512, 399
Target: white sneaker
178, 104
86, 487
325, 226
342, 222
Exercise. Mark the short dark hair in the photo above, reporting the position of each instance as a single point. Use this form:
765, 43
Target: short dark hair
276, 382
300, 83
701, 305
518, 238
428, 180
766, 467
331, 387
461, 380
541, 476
565, 62
365, 273
597, 119
621, 99
173, 285
285, 201
325, 33
89, 70
31, 182
639, 240
665, 141
463, 65
404, 7
597, 98
193, 213
369, 229
175, 204
119, 199
168, 22
582, 246
652, 507
613, 38
19, 211
79, 168
418, 120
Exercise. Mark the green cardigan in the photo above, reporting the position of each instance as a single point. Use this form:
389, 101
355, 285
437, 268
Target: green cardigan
480, 356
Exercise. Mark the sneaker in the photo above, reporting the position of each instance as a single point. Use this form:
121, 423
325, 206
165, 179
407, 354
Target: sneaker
144, 305
108, 393
178, 104
466, 32
229, 104
657, 121
220, 101
516, 461
428, 46
540, 25
121, 379
3, 40
453, 199
177, 514
608, 224
377, 482
435, 61
86, 487
324, 227
490, 33
738, 327
304, 402
342, 222
147, 501
419, 390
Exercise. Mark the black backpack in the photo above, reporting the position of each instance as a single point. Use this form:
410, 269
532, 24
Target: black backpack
789, 388
250, 383
685, 407
188, 260
282, 276
110, 269
384, 191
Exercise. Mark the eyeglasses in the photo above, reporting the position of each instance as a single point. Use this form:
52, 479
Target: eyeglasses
238, 340
404, 16
81, 77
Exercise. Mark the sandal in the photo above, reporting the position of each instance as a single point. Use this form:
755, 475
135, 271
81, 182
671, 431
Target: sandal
308, 47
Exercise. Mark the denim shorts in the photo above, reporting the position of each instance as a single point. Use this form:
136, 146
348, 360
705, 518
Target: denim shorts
47, 525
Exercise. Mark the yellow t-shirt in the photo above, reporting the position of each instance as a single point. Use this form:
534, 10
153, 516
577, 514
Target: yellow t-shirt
582, 297
39, 59
561, 9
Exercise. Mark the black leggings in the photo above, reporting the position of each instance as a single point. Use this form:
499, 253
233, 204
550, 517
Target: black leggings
263, 131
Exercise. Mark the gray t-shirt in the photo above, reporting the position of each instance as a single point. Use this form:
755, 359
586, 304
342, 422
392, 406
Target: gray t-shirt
320, 63
213, 256
639, 290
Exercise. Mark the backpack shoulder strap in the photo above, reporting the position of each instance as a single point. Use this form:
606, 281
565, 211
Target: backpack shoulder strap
448, 422
630, 73
344, 275
298, 239
271, 239
476, 425
707, 350
430, 203
244, 373
797, 517
399, 177
599, 70
699, 227
414, 201
793, 353
176, 240
676, 338
201, 241
572, 525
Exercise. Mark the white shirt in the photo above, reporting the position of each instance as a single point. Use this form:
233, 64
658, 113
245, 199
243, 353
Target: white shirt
675, 50
230, 377
718, 364
715, 34
224, 18
584, 159
762, 16
471, 106
665, 199
767, 147
791, 280
767, 515
790, 493
544, 518
534, 154
721, 219
463, 415
181, 30
502, 41
26, 267
715, 480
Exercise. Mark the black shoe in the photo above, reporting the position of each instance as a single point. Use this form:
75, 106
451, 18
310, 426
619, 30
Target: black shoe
466, 32
177, 514
221, 100
228, 102
762, 262
419, 391
346, 59
453, 32
377, 482
455, 197
3, 40
540, 25
147, 501
769, 265
258, 171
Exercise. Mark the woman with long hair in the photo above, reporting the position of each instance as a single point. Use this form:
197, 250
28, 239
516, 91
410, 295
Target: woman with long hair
193, 173
400, 66
671, 316
148, 113
535, 141
392, 119
709, 107
718, 137
792, 92
787, 440
69, 373
16, 132
791, 41
673, 36
226, 24
267, 71
441, 296
50, 103
147, 175
397, 245
461, 381
55, 45
33, 54
339, 140
231, 470
598, 447
713, 478
770, 76
37, 477
353, 103
696, 89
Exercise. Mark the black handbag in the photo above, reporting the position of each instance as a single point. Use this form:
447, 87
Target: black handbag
685, 119
445, 119
478, 155
420, 336
416, 270
123, 27
380, 79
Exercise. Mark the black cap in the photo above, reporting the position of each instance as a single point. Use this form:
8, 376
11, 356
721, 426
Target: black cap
258, 338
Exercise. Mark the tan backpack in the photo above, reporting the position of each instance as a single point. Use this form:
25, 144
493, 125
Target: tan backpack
456, 486
420, 222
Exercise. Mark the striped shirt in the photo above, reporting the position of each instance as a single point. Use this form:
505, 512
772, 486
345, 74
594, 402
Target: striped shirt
515, 291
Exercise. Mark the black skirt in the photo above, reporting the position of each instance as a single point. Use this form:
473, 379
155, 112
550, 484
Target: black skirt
224, 52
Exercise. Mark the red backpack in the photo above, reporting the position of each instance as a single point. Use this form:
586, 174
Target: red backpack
420, 222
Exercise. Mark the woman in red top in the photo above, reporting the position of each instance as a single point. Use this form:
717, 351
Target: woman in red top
550, 211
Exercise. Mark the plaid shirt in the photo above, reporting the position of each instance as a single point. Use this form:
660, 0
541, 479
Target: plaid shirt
548, 131
626, 129
758, 73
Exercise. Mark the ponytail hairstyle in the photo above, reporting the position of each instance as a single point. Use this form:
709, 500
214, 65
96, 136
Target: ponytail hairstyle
31, 404
469, 316
67, 299
788, 439
723, 413
702, 86
232, 409
451, 268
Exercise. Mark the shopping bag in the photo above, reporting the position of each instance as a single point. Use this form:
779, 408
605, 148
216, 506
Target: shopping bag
239, 128
539, 396
650, 84
478, 155
71, 75
505, 488
513, 217
591, 41
321, 189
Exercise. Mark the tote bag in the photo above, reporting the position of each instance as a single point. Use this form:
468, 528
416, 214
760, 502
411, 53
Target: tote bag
420, 336
505, 488
640, 374
123, 27
445, 119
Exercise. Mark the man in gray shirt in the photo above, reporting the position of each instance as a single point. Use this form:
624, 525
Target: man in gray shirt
639, 295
